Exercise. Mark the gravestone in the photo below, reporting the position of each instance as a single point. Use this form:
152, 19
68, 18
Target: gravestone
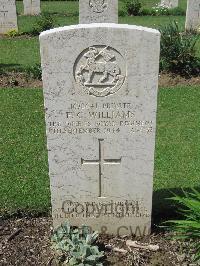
8, 16
98, 11
193, 15
169, 3
31, 7
100, 89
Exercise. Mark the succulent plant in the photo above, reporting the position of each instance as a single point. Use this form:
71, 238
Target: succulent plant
76, 246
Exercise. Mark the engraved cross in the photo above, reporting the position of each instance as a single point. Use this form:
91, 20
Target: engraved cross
101, 162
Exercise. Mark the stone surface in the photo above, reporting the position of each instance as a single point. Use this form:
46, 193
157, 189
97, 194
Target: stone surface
100, 89
8, 16
169, 3
98, 11
31, 7
193, 15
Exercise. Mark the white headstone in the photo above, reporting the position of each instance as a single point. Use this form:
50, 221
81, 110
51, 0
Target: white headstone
98, 11
193, 15
8, 16
169, 3
31, 7
100, 89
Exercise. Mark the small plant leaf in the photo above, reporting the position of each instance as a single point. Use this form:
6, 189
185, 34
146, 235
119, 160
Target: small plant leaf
73, 261
190, 227
76, 245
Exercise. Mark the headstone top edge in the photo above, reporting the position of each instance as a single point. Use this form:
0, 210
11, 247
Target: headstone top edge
98, 25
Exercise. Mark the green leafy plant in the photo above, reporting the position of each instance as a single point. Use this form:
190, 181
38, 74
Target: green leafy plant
122, 13
75, 246
12, 33
189, 227
162, 11
177, 11
178, 51
44, 22
34, 71
133, 7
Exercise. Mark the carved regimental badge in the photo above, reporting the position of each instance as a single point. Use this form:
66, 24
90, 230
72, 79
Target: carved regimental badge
100, 70
98, 6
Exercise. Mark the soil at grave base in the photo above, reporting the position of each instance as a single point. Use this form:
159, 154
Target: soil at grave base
20, 80
31, 246
172, 80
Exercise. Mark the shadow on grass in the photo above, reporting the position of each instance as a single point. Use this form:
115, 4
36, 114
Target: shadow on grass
10, 67
164, 208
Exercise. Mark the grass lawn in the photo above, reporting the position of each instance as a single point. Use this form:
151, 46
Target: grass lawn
21, 52
23, 154
66, 13
178, 138
63, 7
26, 24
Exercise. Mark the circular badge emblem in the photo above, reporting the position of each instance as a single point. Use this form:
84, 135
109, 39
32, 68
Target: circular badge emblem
98, 6
100, 70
